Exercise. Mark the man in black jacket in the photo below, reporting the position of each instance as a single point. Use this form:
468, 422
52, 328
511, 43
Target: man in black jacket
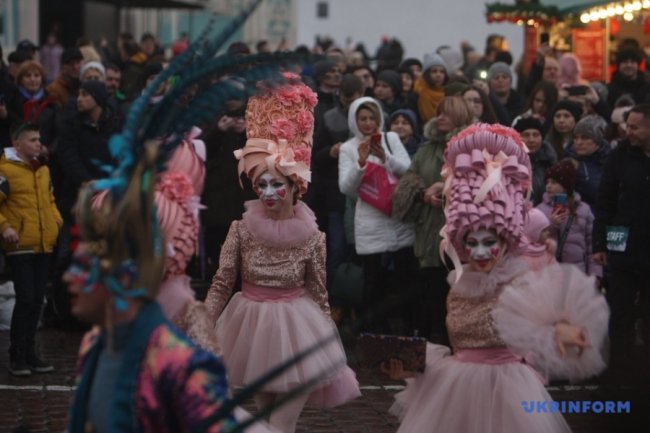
621, 234
83, 148
628, 78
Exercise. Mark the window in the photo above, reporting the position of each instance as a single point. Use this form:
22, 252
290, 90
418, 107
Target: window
322, 9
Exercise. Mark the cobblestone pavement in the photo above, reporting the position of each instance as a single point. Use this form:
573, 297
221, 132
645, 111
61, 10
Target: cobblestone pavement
41, 402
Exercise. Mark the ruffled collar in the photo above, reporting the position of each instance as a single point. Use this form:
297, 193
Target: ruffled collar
280, 233
478, 284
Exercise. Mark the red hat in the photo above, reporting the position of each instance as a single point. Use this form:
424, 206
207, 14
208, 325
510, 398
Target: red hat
564, 172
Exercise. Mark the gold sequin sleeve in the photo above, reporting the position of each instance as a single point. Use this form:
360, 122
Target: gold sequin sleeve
315, 273
224, 279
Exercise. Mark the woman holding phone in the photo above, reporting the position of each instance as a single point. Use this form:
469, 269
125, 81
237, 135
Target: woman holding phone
375, 232
571, 218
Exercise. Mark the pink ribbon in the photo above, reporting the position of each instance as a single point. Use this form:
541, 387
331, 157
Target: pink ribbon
259, 293
280, 157
493, 356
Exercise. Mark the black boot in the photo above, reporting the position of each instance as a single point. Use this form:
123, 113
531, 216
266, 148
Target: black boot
36, 364
18, 364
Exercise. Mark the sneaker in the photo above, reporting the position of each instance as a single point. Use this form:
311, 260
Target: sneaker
37, 365
19, 368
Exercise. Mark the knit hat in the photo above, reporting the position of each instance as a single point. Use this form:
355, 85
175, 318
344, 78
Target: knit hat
564, 173
393, 80
499, 67
453, 58
488, 173
525, 123
432, 59
572, 107
323, 67
407, 63
535, 224
592, 126
408, 115
96, 89
92, 65
628, 54
279, 128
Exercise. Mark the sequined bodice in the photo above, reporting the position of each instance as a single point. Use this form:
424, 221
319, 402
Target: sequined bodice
469, 321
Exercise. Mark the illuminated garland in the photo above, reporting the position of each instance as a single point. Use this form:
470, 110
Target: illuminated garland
529, 13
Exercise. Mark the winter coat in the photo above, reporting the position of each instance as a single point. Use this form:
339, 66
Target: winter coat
374, 232
424, 171
624, 200
540, 161
325, 169
578, 246
45, 111
27, 205
638, 88
62, 88
590, 171
83, 154
514, 106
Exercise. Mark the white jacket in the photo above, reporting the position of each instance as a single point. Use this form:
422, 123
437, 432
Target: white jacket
374, 232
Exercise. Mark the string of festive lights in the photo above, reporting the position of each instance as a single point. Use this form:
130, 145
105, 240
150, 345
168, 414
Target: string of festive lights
625, 9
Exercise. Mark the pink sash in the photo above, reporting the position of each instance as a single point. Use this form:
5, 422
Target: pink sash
258, 293
493, 356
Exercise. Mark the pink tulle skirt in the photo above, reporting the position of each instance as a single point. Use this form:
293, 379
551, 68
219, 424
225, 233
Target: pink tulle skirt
256, 336
466, 397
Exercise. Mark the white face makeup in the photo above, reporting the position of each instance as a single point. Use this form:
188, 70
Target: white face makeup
272, 189
483, 248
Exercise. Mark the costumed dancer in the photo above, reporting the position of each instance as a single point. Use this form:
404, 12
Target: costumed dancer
136, 372
508, 327
280, 255
177, 198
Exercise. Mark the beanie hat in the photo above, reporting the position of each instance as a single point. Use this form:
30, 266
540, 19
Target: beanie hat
536, 223
393, 80
564, 173
408, 115
572, 107
453, 58
432, 59
628, 54
96, 89
93, 65
591, 126
525, 123
323, 67
411, 61
499, 67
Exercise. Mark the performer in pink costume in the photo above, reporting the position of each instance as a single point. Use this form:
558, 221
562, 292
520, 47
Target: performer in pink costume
280, 255
509, 327
177, 200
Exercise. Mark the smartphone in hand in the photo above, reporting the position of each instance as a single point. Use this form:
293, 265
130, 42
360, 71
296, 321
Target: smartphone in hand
560, 202
375, 138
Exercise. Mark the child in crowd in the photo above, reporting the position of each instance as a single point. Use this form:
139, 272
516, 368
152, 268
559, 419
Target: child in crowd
538, 247
429, 87
29, 223
571, 219
404, 124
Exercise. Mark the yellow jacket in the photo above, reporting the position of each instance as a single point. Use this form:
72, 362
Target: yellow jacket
27, 205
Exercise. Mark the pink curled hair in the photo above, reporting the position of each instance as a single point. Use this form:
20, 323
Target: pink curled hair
487, 174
